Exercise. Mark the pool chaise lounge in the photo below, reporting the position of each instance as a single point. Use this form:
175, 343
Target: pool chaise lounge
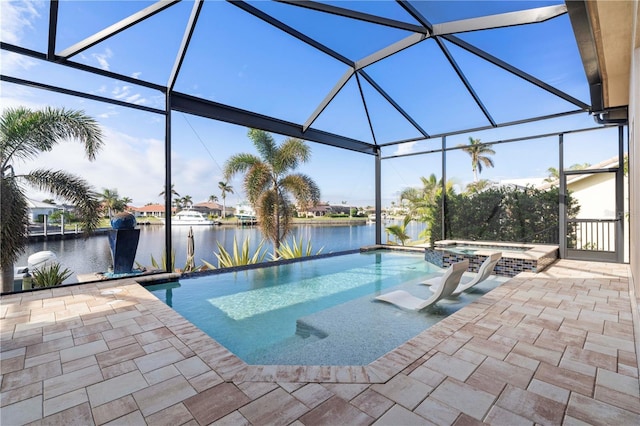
484, 272
450, 281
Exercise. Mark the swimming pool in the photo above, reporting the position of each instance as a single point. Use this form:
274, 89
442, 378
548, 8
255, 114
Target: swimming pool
315, 312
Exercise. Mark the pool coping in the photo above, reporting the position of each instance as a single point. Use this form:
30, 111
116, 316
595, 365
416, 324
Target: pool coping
535, 252
233, 369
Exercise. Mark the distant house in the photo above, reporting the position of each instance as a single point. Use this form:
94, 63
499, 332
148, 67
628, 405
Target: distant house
38, 210
150, 210
323, 209
319, 210
209, 208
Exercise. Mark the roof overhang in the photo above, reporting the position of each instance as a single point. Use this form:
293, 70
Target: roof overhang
604, 32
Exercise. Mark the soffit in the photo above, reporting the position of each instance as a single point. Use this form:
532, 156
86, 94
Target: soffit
612, 26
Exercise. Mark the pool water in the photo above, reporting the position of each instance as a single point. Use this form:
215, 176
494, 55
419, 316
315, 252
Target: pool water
315, 312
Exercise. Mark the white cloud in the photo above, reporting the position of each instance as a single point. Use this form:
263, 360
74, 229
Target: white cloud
102, 58
133, 166
110, 112
405, 148
136, 75
120, 92
125, 93
12, 63
15, 18
15, 95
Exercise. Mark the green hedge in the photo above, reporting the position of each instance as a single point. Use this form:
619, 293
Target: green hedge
500, 214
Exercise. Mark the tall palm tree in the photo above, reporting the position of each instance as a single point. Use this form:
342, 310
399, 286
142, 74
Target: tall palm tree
110, 200
25, 133
554, 175
187, 201
174, 193
479, 153
268, 184
224, 189
421, 200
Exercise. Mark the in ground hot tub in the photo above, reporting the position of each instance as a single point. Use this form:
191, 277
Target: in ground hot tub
516, 257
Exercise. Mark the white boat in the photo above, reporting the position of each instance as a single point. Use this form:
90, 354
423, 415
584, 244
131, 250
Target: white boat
372, 217
245, 213
190, 217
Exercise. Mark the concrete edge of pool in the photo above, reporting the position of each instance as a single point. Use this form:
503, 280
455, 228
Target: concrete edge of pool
233, 369
379, 371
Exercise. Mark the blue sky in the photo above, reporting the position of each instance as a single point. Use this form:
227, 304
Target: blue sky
238, 60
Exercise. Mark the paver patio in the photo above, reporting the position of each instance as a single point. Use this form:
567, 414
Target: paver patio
557, 347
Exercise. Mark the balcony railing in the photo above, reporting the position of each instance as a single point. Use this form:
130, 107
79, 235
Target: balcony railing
591, 234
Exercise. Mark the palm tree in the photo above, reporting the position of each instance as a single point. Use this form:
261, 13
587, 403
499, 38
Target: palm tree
174, 193
213, 198
421, 200
479, 186
479, 156
268, 185
187, 201
400, 231
24, 134
554, 174
224, 189
111, 200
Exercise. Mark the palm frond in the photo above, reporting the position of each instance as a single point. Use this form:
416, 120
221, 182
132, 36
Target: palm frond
25, 133
71, 188
14, 222
264, 143
239, 163
290, 154
303, 188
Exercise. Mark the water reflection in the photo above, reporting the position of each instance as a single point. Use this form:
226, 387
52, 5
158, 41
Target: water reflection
93, 255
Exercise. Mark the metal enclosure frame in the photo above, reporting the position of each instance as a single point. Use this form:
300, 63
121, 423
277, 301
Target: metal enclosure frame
175, 101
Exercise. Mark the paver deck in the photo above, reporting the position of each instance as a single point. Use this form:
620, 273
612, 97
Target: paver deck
557, 347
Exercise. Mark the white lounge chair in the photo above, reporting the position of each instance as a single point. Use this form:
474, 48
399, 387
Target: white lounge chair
485, 270
450, 280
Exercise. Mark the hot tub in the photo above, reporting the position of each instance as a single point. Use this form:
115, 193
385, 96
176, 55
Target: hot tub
516, 257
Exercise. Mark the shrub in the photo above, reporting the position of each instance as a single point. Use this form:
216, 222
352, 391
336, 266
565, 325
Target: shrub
239, 257
50, 275
295, 250
500, 214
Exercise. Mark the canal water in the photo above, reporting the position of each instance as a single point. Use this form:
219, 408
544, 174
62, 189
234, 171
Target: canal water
83, 256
